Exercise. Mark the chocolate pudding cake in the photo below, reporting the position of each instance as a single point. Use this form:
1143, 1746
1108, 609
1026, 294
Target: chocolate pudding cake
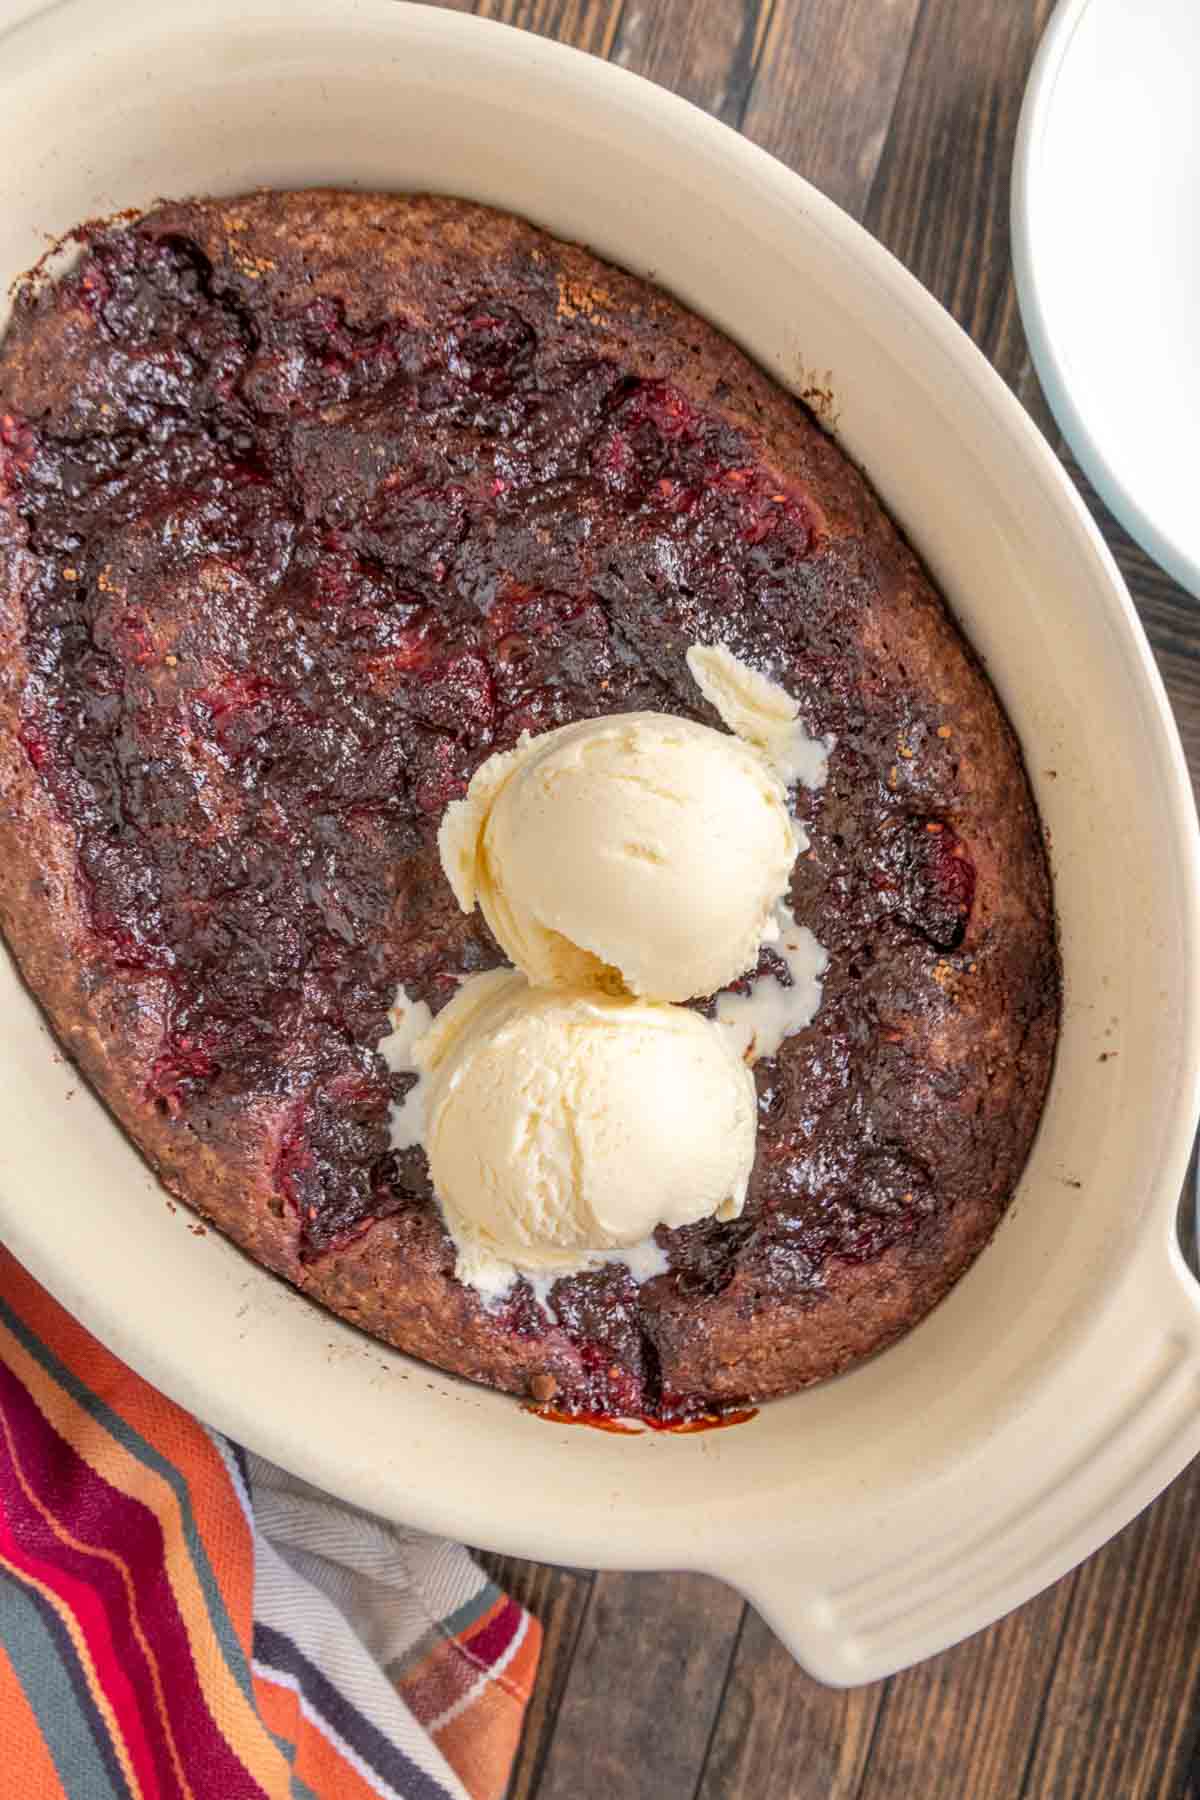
309, 504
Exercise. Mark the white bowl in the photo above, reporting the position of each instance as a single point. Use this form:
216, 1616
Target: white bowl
1106, 245
884, 1515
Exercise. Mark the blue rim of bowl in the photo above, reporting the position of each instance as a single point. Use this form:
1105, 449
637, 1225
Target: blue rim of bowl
1035, 109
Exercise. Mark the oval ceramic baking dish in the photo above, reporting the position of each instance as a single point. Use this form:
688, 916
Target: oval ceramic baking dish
880, 1517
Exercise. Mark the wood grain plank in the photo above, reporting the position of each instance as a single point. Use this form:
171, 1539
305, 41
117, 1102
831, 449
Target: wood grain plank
780, 1733
962, 1726
587, 24
1191, 1781
644, 1689
825, 83
940, 200
1122, 1706
706, 53
559, 1599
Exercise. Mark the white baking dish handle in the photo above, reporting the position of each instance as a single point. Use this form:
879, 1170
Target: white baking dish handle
862, 1615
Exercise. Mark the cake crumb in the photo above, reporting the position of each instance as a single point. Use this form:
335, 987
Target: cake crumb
575, 300
543, 1388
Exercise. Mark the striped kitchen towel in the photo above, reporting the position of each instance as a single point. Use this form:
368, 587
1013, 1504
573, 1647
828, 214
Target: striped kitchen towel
181, 1619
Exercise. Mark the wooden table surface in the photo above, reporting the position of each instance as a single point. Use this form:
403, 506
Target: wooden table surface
667, 1687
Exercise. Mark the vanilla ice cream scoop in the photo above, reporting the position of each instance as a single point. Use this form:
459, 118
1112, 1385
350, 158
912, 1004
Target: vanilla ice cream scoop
558, 1125
638, 852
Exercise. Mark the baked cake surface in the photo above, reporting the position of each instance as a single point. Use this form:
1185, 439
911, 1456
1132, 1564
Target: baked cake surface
308, 503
